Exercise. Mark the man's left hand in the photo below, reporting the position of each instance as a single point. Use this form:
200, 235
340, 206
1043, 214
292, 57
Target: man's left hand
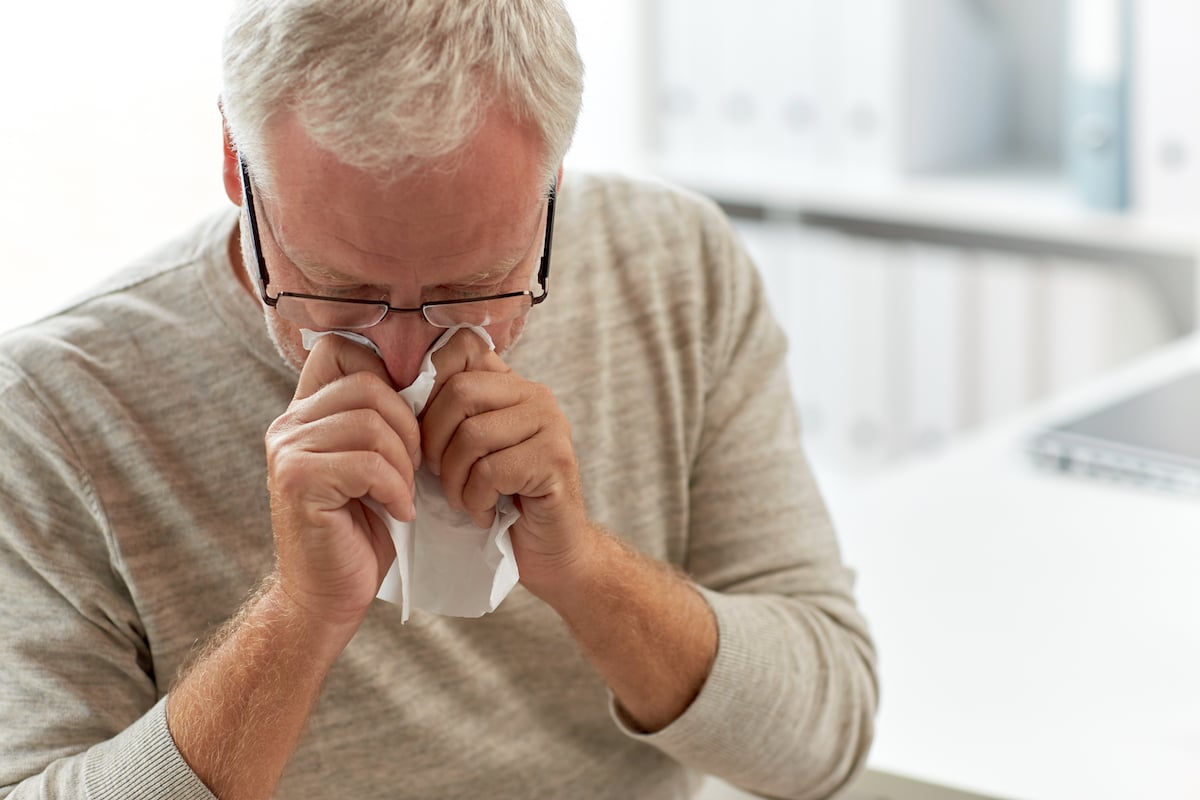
487, 432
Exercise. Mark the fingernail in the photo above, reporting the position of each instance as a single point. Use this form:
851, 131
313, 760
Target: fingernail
434, 467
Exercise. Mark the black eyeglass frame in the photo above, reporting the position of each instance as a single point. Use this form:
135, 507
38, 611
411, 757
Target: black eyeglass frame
264, 278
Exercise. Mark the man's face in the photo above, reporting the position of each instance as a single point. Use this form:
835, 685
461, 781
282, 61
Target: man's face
437, 234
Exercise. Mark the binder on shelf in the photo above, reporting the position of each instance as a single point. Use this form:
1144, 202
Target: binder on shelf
811, 305
874, 345
866, 48
1166, 81
1009, 339
825, 351
1097, 139
958, 94
751, 70
1099, 316
778, 249
795, 96
939, 357
686, 130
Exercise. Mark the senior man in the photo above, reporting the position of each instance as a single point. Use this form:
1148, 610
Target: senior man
188, 613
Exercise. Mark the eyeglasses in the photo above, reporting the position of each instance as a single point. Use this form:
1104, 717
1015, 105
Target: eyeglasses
316, 311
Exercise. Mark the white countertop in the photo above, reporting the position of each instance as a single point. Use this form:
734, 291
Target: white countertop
1039, 634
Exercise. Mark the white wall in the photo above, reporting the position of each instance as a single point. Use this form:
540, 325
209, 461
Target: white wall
111, 138
612, 126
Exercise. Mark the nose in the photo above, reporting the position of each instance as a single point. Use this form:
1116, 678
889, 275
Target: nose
403, 340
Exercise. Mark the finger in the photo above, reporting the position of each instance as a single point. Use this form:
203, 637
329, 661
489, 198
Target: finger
469, 455
521, 470
466, 351
381, 539
362, 391
360, 429
320, 485
334, 357
467, 395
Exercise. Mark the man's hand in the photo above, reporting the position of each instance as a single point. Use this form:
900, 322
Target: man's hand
487, 432
346, 436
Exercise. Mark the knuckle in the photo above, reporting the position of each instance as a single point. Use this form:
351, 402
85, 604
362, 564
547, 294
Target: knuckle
368, 421
376, 468
281, 425
561, 456
456, 385
474, 432
485, 471
287, 473
366, 382
277, 445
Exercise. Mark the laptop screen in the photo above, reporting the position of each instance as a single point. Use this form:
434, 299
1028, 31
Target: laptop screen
1153, 435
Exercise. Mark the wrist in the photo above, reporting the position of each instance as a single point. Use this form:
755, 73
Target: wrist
326, 631
570, 584
642, 623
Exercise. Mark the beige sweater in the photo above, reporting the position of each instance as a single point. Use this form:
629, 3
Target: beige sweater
134, 520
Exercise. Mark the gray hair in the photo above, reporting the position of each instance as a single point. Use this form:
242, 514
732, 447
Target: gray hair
387, 85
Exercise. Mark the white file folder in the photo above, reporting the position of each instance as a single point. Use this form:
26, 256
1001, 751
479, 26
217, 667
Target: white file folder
1166, 176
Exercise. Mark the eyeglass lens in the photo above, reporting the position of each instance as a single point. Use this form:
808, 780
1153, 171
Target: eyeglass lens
317, 313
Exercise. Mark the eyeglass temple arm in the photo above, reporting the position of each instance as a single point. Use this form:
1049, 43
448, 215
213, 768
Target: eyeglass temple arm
544, 269
248, 196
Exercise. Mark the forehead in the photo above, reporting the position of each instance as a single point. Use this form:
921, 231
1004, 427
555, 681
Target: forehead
466, 216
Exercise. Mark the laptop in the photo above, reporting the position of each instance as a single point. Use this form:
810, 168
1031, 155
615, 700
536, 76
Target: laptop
1150, 439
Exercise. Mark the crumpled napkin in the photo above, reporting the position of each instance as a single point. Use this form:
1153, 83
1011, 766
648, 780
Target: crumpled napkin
445, 563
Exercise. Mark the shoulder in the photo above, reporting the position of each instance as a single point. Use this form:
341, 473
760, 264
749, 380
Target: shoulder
647, 234
637, 209
127, 323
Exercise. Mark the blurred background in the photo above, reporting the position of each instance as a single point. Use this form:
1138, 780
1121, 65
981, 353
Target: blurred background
959, 206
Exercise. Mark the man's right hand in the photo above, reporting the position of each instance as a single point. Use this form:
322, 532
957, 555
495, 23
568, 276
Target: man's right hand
346, 435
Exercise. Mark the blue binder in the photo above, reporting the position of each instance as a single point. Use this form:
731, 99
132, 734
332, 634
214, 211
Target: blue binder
1097, 124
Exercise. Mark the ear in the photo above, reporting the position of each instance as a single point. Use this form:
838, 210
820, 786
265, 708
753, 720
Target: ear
230, 166
560, 177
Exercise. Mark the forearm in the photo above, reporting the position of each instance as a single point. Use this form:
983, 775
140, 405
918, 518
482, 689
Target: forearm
783, 707
642, 624
787, 710
239, 712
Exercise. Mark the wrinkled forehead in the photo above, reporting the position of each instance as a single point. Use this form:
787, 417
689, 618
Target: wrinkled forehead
483, 203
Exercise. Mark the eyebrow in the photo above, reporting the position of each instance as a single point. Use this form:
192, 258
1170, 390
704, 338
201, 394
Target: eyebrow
320, 272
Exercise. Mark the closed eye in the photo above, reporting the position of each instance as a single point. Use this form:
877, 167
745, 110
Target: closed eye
355, 291
482, 286
467, 292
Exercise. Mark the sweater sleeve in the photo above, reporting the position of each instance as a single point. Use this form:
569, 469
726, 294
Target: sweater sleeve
80, 714
787, 710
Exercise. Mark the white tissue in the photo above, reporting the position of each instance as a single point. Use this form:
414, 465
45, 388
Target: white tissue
445, 563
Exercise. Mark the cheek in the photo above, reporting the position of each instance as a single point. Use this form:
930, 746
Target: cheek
287, 341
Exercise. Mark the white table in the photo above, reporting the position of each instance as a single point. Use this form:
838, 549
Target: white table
1039, 634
